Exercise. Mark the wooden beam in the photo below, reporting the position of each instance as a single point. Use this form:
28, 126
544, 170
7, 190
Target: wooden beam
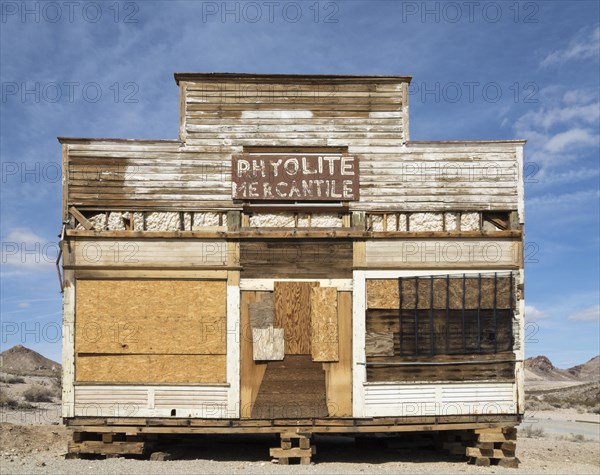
325, 429
99, 447
294, 233
81, 219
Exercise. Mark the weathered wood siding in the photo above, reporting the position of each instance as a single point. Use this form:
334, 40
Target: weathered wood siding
220, 117
423, 253
296, 258
157, 253
144, 175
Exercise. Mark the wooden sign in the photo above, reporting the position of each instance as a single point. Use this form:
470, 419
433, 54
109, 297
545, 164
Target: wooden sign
295, 177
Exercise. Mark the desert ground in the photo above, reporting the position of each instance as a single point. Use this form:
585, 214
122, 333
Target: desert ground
560, 435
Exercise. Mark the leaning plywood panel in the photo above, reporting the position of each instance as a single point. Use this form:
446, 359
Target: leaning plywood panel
133, 316
292, 313
324, 324
104, 368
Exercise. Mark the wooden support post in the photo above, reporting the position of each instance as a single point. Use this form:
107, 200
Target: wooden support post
494, 446
294, 445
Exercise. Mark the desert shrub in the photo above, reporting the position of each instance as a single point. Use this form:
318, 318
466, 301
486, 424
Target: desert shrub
531, 431
536, 405
574, 438
7, 401
57, 387
38, 393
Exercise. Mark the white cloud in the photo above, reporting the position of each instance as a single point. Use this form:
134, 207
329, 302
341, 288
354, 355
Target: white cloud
590, 314
566, 177
558, 131
533, 314
564, 113
585, 46
564, 199
579, 96
570, 139
22, 250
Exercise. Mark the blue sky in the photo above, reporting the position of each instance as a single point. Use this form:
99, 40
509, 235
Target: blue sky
489, 70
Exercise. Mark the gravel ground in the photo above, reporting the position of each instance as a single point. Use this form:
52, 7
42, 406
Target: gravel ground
40, 449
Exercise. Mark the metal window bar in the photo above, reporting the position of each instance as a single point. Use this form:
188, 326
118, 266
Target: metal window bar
417, 315
431, 333
479, 313
494, 315
400, 312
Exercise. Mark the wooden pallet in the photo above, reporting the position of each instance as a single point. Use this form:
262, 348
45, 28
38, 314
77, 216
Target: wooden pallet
107, 444
494, 447
294, 445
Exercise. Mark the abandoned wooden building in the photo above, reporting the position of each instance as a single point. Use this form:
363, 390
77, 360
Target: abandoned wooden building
292, 264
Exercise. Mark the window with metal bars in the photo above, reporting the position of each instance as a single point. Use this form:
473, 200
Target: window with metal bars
455, 314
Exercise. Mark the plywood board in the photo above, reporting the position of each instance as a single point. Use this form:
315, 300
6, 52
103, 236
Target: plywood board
133, 316
339, 374
324, 324
267, 344
150, 368
292, 313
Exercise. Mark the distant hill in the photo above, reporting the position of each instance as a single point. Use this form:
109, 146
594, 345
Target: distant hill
589, 371
541, 368
23, 361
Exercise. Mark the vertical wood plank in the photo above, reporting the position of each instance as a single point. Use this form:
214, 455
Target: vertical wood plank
324, 324
68, 345
292, 313
359, 367
251, 372
233, 348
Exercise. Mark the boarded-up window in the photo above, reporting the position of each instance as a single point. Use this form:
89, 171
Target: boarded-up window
439, 320
150, 331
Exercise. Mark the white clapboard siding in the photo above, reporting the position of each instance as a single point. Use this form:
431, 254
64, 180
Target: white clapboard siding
383, 400
149, 252
442, 252
209, 401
